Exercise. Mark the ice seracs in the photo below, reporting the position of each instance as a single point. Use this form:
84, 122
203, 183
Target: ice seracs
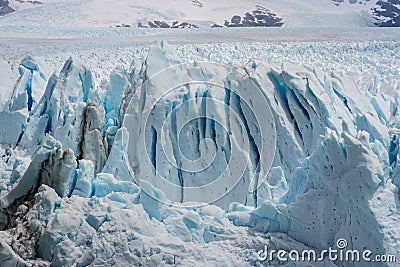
82, 187
23, 99
193, 130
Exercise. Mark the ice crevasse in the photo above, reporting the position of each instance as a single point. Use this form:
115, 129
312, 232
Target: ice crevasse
119, 174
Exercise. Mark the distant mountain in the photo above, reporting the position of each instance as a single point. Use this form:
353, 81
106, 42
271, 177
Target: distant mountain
387, 13
338, 2
260, 17
5, 8
199, 13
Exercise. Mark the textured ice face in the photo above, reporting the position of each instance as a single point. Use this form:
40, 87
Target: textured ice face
89, 183
199, 132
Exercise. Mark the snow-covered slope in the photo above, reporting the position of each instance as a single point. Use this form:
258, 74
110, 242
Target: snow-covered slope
189, 14
107, 174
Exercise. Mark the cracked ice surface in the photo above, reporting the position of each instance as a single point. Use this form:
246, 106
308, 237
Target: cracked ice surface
69, 196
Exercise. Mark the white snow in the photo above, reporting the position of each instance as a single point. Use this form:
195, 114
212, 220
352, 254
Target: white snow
105, 13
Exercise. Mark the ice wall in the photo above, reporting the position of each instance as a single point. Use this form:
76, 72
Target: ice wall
120, 174
194, 133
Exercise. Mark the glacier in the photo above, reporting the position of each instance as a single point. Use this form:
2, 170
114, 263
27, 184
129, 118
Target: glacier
116, 171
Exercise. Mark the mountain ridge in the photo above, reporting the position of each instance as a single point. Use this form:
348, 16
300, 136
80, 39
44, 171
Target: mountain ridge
200, 14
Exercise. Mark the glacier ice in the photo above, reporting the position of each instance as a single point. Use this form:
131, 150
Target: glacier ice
59, 172
25, 95
210, 127
81, 167
29, 181
94, 145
